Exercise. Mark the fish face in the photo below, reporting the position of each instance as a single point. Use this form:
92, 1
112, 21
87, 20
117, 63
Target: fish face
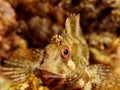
66, 56
57, 64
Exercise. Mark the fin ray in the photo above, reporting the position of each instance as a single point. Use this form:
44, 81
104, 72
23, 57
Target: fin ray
16, 70
16, 63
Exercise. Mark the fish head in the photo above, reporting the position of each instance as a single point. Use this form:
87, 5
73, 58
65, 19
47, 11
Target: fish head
66, 56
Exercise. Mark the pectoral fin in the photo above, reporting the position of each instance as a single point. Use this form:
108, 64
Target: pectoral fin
103, 78
16, 70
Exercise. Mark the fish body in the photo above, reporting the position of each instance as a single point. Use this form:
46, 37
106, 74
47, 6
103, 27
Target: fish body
64, 64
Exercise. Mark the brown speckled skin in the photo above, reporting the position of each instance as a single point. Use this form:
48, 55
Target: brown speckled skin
71, 73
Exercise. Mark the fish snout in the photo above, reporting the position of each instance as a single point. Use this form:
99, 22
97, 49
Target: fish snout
50, 79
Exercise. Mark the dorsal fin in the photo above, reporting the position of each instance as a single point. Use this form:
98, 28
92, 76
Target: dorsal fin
73, 26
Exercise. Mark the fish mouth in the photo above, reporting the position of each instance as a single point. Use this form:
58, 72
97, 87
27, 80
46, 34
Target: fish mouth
51, 79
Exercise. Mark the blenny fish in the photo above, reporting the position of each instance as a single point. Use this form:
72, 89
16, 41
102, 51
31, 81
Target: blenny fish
64, 63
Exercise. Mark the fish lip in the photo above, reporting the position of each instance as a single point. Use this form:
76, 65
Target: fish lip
49, 75
51, 80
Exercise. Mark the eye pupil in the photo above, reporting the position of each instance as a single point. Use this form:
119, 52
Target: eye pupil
65, 51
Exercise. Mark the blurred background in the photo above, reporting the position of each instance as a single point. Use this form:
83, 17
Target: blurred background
26, 24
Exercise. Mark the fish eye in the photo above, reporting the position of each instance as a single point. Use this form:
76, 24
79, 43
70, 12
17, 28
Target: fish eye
65, 52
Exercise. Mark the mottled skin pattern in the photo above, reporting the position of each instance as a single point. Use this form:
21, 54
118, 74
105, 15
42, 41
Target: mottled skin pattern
64, 65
